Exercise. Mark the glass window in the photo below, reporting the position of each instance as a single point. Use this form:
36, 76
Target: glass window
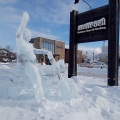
53, 48
48, 46
43, 45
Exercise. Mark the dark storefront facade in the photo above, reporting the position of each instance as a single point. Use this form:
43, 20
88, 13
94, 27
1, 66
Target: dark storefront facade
79, 56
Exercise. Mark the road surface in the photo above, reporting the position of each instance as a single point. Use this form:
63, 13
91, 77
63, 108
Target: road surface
93, 72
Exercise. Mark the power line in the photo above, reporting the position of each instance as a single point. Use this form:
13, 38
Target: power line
87, 3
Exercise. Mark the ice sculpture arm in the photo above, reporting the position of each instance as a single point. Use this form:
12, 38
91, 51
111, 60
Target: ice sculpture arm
51, 59
42, 51
23, 24
48, 53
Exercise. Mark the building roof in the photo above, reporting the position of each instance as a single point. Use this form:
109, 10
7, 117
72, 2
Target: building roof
32, 40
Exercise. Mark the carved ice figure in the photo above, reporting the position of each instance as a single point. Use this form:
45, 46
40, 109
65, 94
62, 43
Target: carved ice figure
26, 62
26, 57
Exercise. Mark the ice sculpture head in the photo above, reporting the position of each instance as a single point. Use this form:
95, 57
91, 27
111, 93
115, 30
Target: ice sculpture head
27, 35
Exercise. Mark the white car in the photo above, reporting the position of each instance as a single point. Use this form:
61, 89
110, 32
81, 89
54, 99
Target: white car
99, 65
90, 65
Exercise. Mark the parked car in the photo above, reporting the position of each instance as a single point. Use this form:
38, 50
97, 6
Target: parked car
99, 65
90, 65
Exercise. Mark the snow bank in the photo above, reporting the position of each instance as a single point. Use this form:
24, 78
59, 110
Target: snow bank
62, 66
99, 91
94, 101
4, 67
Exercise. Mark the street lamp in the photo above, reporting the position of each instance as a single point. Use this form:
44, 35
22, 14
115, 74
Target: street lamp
93, 57
77, 1
86, 54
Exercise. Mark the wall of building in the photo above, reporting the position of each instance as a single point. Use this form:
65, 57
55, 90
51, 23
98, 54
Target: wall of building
37, 42
66, 55
56, 47
103, 57
60, 49
79, 56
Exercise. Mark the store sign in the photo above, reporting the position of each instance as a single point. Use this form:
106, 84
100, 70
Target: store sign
60, 46
96, 25
92, 26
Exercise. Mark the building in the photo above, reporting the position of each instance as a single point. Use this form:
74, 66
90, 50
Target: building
103, 57
7, 55
80, 58
56, 47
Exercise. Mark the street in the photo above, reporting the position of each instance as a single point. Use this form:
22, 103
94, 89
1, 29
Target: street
93, 72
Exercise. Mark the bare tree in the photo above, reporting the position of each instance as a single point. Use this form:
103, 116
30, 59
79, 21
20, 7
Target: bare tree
9, 48
6, 54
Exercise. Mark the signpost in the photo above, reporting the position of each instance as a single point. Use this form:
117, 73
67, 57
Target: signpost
92, 25
72, 71
113, 42
96, 25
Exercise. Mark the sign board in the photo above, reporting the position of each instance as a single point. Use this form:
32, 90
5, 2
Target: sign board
92, 25
96, 25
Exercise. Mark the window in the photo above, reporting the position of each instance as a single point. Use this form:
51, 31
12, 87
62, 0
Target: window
48, 46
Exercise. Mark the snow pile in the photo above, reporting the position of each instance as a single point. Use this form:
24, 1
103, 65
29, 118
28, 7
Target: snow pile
94, 99
62, 66
2, 66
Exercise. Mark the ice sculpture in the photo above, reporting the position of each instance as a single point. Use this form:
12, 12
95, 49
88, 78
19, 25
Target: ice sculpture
26, 63
26, 57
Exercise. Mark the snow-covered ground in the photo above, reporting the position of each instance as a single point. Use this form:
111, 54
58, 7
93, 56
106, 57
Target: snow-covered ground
95, 101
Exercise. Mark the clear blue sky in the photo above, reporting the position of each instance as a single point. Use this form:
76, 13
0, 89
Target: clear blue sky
48, 18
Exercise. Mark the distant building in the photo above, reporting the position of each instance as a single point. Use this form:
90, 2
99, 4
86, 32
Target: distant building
6, 55
103, 57
56, 47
